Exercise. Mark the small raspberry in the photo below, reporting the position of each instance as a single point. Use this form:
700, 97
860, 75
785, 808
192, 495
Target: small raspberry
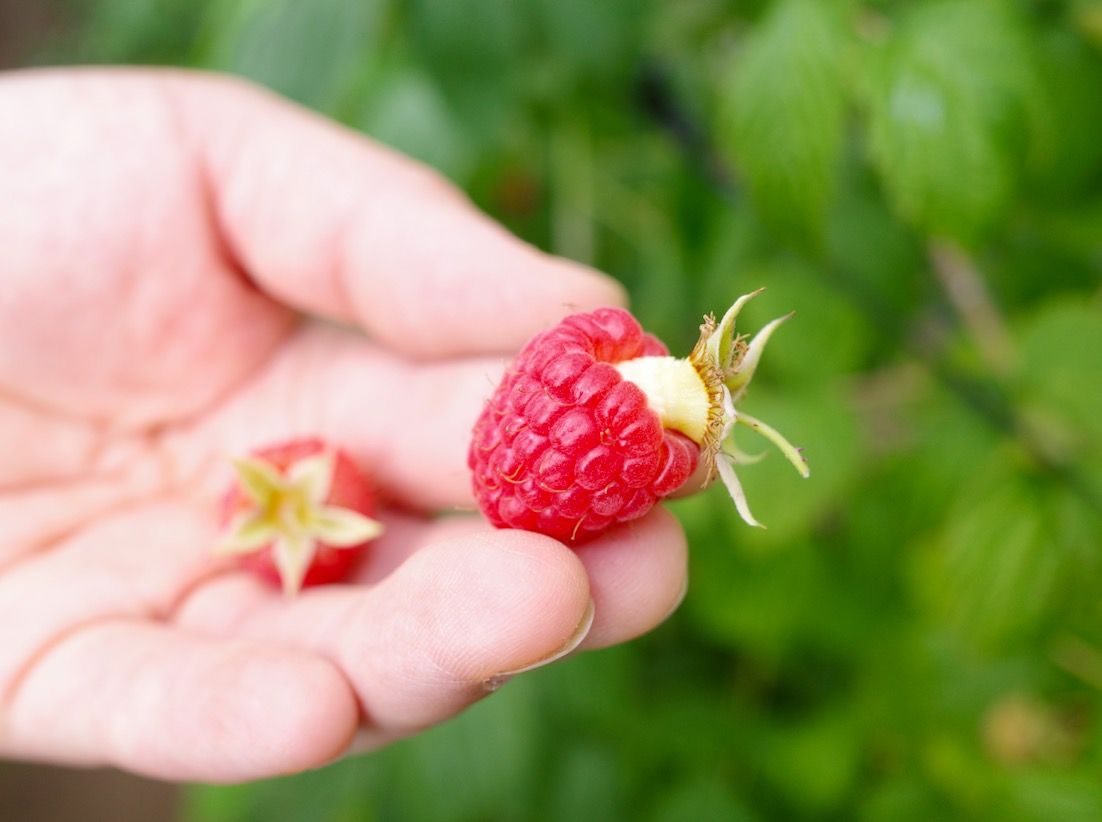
299, 514
594, 423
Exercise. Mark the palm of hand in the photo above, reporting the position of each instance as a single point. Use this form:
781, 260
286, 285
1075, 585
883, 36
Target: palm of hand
155, 269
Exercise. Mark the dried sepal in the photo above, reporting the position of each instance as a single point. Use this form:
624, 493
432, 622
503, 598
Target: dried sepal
791, 452
727, 363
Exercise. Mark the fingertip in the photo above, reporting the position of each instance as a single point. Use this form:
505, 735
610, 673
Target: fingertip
458, 616
504, 600
306, 718
170, 705
583, 288
547, 289
638, 575
491, 298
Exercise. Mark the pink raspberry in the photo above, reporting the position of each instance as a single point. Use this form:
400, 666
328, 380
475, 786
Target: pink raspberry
595, 422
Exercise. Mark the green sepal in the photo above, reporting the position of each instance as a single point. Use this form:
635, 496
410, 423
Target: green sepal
342, 527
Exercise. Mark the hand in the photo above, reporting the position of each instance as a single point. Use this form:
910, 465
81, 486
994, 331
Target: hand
190, 268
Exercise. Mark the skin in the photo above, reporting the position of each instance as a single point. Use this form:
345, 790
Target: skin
191, 268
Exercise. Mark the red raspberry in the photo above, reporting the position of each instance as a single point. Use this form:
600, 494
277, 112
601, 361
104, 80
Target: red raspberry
299, 514
566, 446
595, 422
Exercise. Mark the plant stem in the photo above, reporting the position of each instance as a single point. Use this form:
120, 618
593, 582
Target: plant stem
968, 293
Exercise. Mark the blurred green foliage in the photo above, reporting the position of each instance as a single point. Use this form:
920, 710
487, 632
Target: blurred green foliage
918, 635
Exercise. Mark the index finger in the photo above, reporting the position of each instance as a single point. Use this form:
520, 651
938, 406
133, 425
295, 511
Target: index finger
333, 224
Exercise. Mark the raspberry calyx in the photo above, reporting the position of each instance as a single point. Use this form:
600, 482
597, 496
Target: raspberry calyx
696, 395
290, 514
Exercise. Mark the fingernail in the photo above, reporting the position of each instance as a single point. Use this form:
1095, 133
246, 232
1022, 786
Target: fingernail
575, 639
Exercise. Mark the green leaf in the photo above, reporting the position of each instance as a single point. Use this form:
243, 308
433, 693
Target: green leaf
136, 31
473, 50
701, 800
408, 112
338, 793
596, 40
1011, 555
1087, 15
782, 114
1000, 571
752, 602
879, 259
820, 754
826, 338
1069, 797
587, 784
483, 764
1069, 157
902, 799
949, 107
310, 52
478, 37
1060, 372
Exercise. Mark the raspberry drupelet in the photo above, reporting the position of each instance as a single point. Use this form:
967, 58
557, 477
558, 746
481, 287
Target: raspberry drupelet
594, 423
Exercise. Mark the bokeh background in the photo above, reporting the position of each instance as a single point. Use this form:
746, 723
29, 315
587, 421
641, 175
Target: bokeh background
918, 634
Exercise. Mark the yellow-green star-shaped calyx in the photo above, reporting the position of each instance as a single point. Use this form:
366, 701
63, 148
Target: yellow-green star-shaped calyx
289, 513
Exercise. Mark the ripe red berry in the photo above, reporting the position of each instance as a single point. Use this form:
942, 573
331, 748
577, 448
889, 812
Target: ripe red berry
594, 423
566, 446
298, 514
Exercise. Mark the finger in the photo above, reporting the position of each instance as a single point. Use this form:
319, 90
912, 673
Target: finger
64, 448
36, 516
405, 535
111, 475
408, 425
223, 602
154, 700
638, 575
134, 563
333, 224
436, 634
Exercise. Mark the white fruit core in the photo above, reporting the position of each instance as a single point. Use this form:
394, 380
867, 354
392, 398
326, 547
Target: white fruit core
675, 391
